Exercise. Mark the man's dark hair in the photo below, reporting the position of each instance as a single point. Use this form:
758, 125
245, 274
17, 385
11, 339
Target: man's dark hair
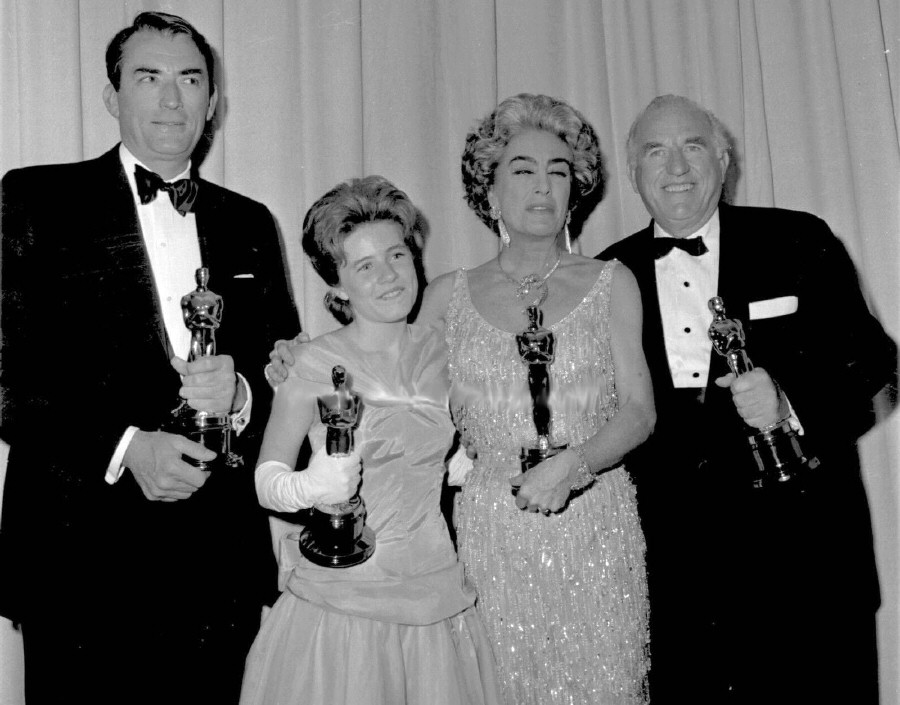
158, 22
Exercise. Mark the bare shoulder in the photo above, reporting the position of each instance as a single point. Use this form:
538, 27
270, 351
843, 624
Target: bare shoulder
588, 265
308, 354
625, 294
622, 276
436, 298
581, 272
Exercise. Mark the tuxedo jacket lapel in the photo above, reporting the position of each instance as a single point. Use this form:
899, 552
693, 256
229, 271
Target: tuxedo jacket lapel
643, 266
118, 232
732, 288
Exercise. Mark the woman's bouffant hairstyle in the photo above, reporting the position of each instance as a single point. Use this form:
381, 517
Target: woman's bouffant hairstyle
336, 214
518, 114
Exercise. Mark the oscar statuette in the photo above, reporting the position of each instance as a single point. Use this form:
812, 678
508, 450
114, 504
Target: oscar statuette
776, 448
202, 313
336, 535
537, 350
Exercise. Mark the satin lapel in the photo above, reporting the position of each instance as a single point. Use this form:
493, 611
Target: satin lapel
119, 232
734, 269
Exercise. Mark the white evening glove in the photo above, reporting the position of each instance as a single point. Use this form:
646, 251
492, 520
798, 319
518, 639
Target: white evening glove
326, 480
458, 467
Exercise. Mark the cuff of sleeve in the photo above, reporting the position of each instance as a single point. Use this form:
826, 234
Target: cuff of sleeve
458, 467
271, 479
241, 418
115, 468
792, 418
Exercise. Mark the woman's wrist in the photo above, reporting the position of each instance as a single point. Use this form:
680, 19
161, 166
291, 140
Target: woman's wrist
583, 474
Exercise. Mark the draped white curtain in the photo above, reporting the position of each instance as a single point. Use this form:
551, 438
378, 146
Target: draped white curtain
316, 91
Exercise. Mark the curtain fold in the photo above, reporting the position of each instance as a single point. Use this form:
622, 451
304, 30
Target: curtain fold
313, 92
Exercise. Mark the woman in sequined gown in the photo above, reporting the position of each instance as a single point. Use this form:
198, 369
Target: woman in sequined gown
558, 565
400, 628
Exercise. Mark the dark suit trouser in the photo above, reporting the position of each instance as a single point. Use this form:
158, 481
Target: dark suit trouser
755, 597
101, 664
166, 615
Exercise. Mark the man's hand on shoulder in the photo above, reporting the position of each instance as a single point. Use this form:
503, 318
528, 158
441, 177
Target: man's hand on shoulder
281, 359
210, 384
155, 461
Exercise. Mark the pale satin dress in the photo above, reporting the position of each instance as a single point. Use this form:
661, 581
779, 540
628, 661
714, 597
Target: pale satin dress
563, 597
399, 628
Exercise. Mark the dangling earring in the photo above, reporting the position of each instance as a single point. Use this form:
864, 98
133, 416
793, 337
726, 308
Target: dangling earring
504, 233
501, 226
339, 307
332, 298
568, 238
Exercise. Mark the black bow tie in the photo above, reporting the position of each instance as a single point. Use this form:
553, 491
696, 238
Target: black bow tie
693, 246
182, 193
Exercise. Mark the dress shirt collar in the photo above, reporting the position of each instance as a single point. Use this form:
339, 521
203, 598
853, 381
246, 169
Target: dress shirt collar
709, 231
129, 161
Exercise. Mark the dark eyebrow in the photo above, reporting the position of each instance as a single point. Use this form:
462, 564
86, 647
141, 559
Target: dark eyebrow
532, 160
184, 72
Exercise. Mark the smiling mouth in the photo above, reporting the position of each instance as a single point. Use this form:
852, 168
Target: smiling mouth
678, 188
392, 294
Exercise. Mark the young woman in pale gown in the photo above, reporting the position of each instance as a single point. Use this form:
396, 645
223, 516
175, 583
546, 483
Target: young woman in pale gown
399, 628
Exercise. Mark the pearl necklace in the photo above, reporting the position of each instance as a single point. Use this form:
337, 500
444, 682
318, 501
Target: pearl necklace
530, 288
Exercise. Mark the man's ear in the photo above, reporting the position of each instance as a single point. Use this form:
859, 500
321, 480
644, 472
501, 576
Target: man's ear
724, 160
632, 177
111, 100
213, 100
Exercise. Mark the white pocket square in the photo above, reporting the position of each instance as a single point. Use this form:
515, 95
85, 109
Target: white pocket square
243, 276
770, 308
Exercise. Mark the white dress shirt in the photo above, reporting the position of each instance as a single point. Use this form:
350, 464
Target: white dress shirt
174, 252
685, 284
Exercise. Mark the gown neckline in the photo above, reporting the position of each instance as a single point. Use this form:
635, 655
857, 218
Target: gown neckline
591, 293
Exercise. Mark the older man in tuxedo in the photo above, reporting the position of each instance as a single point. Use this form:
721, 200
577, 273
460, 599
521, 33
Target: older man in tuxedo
757, 595
136, 575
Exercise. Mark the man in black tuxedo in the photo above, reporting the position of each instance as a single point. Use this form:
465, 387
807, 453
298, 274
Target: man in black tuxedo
136, 576
757, 595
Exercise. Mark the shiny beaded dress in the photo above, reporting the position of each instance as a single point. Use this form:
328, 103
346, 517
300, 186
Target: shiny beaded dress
563, 597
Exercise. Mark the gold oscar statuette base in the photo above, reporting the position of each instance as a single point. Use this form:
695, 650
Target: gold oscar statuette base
336, 536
